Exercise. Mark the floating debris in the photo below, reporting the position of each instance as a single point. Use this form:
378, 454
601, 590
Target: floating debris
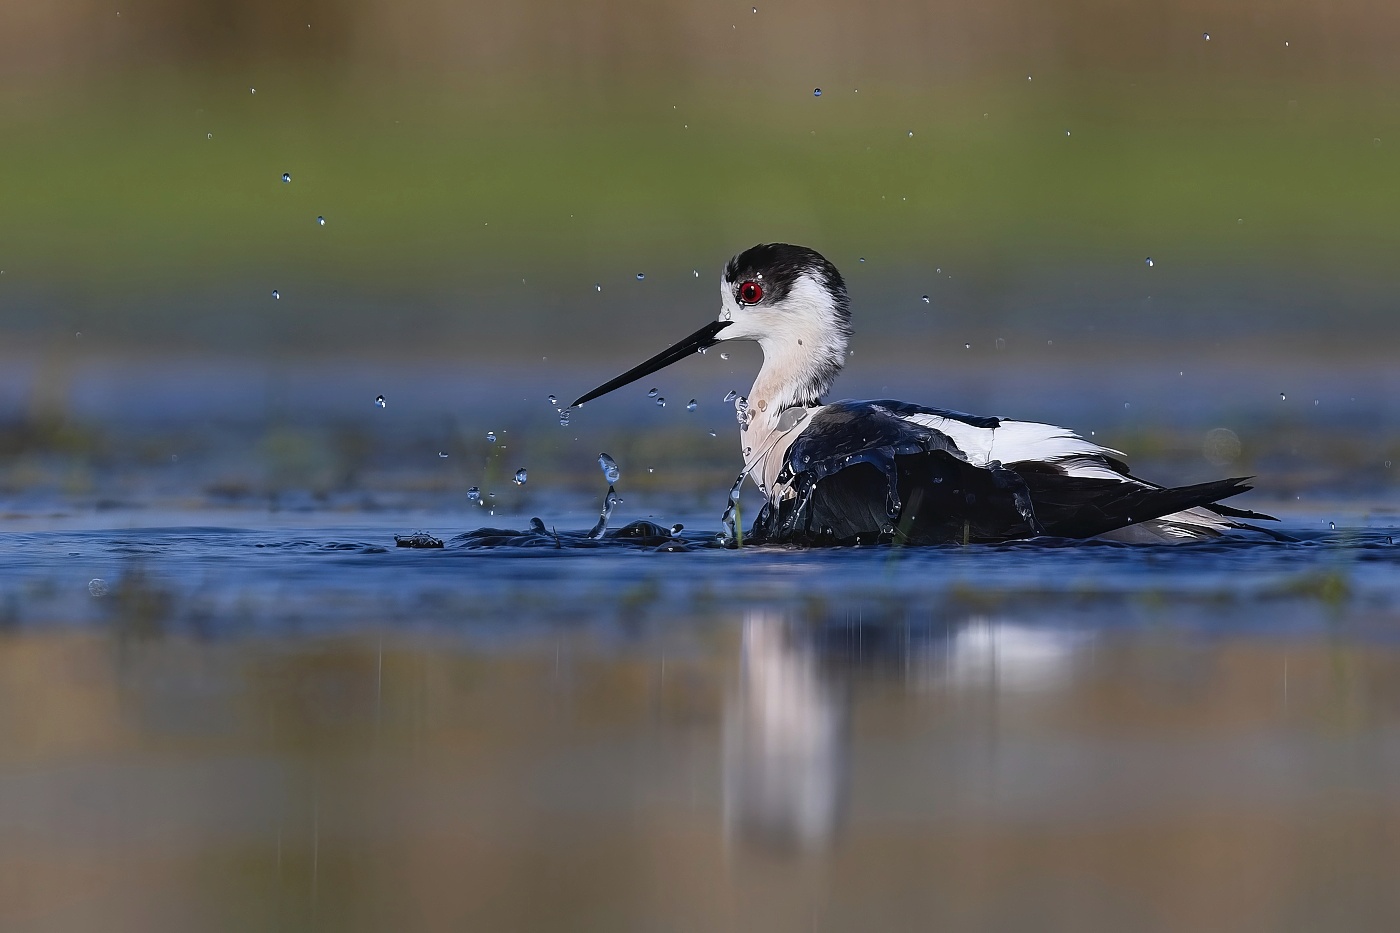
419, 539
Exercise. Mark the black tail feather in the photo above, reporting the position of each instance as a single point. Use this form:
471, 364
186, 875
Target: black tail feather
1079, 507
1226, 511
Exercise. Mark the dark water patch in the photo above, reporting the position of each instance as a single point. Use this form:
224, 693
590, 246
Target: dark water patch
638, 535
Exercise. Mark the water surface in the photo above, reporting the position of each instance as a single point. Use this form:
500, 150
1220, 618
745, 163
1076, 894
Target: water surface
287, 723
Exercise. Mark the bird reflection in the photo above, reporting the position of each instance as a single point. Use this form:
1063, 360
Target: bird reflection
1008, 657
787, 741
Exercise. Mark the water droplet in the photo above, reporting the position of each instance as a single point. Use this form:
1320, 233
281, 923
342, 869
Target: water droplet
641, 275
286, 178
379, 400
1387, 464
691, 405
862, 259
553, 400
1240, 220
251, 90
724, 355
442, 455
1066, 132
1127, 404
1315, 402
320, 221
609, 467
564, 417
697, 272
1332, 525
1285, 43
474, 494
1148, 261
925, 299
1282, 397
521, 476
911, 134
97, 586
276, 294
651, 393
491, 437
208, 135
1001, 343
598, 286
713, 434
1205, 36
731, 395
660, 402
967, 346
817, 92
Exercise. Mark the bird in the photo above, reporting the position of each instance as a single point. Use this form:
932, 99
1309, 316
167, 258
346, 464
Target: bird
889, 471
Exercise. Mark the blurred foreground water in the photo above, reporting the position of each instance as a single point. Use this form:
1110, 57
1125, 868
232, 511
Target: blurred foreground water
290, 724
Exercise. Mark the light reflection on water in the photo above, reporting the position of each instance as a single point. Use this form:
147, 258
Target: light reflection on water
342, 736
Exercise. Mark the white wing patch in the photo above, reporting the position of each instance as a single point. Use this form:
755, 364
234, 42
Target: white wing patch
1014, 441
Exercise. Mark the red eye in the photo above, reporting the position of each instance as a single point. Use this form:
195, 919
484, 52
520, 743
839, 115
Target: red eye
750, 293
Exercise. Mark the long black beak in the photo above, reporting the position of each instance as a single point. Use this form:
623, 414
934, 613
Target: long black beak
702, 338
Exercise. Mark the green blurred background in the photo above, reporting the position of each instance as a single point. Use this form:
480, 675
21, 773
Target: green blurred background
482, 167
495, 177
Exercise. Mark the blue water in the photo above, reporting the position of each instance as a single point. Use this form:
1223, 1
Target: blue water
274, 573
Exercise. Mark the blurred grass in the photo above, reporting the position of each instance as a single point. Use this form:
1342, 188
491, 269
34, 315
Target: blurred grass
431, 187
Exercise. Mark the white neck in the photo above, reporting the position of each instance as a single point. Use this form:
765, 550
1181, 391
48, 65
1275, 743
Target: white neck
793, 375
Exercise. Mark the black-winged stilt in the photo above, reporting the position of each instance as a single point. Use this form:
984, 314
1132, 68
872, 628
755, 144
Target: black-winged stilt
866, 471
